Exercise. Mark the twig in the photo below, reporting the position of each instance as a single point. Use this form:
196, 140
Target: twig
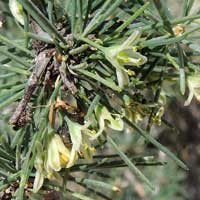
19, 118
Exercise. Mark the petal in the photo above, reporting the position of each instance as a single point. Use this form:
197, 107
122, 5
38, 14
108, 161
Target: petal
111, 55
48, 171
122, 78
103, 114
86, 148
75, 133
16, 10
116, 124
189, 99
134, 37
196, 91
38, 181
53, 156
101, 122
112, 51
73, 157
114, 61
129, 57
61, 147
39, 162
194, 87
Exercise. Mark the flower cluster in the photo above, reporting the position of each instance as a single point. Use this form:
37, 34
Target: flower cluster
55, 155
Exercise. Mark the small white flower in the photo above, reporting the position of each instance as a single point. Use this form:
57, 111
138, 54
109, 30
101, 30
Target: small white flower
16, 10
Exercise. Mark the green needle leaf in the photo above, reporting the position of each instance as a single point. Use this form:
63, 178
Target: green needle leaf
150, 139
105, 82
81, 196
41, 19
106, 10
132, 18
12, 43
132, 167
97, 184
15, 58
92, 106
12, 99
17, 70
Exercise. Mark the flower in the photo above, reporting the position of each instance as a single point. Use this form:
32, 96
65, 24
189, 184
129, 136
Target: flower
133, 115
80, 136
132, 111
49, 162
179, 29
16, 10
125, 54
157, 118
105, 118
194, 88
58, 153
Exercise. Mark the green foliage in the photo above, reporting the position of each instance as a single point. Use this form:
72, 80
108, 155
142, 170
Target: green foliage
81, 71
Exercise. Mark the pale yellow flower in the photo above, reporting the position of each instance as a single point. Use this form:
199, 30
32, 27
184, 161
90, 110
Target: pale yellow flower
160, 112
80, 136
49, 162
107, 119
179, 29
125, 54
194, 88
57, 153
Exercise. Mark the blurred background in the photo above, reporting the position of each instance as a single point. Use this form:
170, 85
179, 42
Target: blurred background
172, 183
